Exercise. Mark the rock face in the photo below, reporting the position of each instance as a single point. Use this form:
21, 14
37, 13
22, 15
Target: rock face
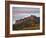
32, 17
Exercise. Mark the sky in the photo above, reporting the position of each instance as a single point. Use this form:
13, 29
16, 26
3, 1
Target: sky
22, 12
